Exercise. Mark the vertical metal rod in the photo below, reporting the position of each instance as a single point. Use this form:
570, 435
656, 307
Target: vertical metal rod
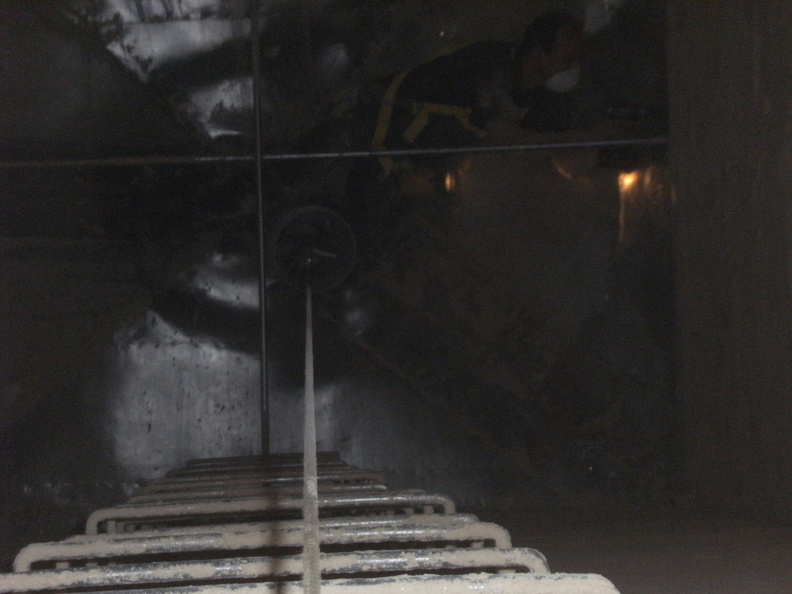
311, 568
256, 80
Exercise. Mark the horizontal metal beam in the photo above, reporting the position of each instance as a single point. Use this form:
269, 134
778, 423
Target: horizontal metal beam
250, 158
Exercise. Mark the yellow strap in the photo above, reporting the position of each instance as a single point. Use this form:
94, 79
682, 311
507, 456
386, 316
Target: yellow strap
462, 115
422, 118
383, 121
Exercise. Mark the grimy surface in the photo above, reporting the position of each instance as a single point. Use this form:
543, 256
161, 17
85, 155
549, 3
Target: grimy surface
664, 555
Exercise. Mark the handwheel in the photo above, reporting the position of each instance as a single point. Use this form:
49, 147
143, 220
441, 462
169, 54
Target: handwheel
313, 244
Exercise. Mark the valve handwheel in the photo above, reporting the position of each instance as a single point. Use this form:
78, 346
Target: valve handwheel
313, 239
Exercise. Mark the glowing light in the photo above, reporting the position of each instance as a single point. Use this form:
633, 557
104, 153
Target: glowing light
450, 182
646, 198
628, 180
629, 194
561, 169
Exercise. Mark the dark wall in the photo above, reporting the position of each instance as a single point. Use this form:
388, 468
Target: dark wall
731, 116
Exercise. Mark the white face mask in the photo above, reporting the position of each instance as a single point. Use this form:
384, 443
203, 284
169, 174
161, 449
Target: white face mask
564, 81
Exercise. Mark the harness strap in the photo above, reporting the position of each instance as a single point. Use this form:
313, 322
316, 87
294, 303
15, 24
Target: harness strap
383, 121
425, 109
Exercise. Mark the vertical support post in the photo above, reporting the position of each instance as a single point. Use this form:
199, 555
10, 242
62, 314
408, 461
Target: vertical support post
311, 559
255, 62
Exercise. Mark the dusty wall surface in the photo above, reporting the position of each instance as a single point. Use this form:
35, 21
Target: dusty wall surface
731, 117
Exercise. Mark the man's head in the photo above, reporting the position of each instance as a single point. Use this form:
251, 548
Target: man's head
549, 53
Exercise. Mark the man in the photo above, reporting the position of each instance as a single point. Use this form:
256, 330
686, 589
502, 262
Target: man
448, 101
549, 57
485, 92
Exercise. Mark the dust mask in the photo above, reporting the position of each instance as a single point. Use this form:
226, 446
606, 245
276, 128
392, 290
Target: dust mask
564, 81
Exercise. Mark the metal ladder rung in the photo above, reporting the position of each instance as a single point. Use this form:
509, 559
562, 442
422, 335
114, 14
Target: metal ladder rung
262, 459
224, 510
233, 492
358, 480
427, 521
223, 526
226, 538
516, 583
249, 466
363, 563
338, 475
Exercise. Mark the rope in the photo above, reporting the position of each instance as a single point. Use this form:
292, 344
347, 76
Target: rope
311, 567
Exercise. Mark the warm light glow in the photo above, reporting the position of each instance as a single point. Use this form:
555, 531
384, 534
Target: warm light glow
450, 181
628, 180
645, 203
561, 168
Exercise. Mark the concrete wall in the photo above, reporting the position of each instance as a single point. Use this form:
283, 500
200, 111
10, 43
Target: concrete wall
731, 146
